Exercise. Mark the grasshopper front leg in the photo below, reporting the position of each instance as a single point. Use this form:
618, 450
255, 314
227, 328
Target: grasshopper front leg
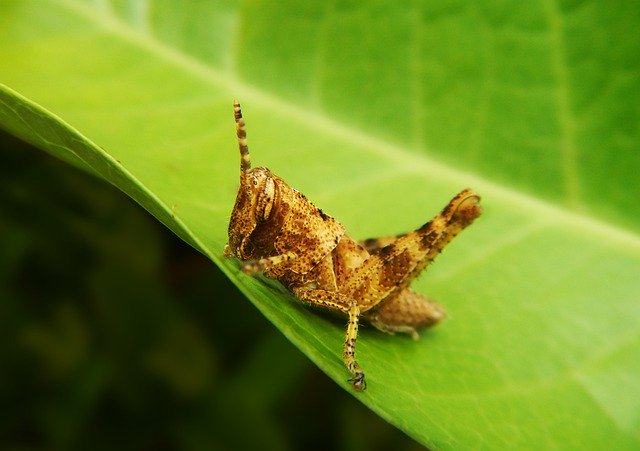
267, 263
349, 352
338, 302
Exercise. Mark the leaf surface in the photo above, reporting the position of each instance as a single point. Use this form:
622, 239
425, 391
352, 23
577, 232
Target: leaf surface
380, 124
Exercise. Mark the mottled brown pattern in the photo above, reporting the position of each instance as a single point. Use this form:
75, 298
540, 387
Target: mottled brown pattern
276, 230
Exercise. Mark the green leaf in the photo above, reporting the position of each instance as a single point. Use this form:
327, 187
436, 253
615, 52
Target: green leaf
379, 112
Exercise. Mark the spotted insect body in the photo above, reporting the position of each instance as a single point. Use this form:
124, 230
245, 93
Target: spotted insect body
275, 230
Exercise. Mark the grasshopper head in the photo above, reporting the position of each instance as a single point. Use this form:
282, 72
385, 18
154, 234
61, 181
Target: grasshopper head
254, 208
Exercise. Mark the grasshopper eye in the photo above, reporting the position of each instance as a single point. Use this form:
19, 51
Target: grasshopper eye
266, 198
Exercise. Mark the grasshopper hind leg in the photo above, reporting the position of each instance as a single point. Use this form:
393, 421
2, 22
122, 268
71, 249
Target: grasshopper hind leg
407, 312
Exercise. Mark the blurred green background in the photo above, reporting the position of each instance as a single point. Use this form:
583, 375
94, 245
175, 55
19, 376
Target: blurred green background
118, 335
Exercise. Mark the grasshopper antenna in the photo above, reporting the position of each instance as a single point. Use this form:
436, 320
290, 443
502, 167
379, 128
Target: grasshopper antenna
241, 132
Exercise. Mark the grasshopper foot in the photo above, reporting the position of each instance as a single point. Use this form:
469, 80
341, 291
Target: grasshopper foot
358, 382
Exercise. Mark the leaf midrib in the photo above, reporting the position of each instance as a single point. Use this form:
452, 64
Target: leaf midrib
412, 162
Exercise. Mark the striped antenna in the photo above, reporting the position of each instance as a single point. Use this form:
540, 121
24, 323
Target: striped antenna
241, 131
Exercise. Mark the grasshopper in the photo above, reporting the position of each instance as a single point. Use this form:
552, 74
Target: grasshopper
275, 230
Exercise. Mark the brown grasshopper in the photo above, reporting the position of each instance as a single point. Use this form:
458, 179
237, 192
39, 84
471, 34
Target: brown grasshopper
277, 231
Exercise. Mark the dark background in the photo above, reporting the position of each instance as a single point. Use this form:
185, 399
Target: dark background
117, 335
